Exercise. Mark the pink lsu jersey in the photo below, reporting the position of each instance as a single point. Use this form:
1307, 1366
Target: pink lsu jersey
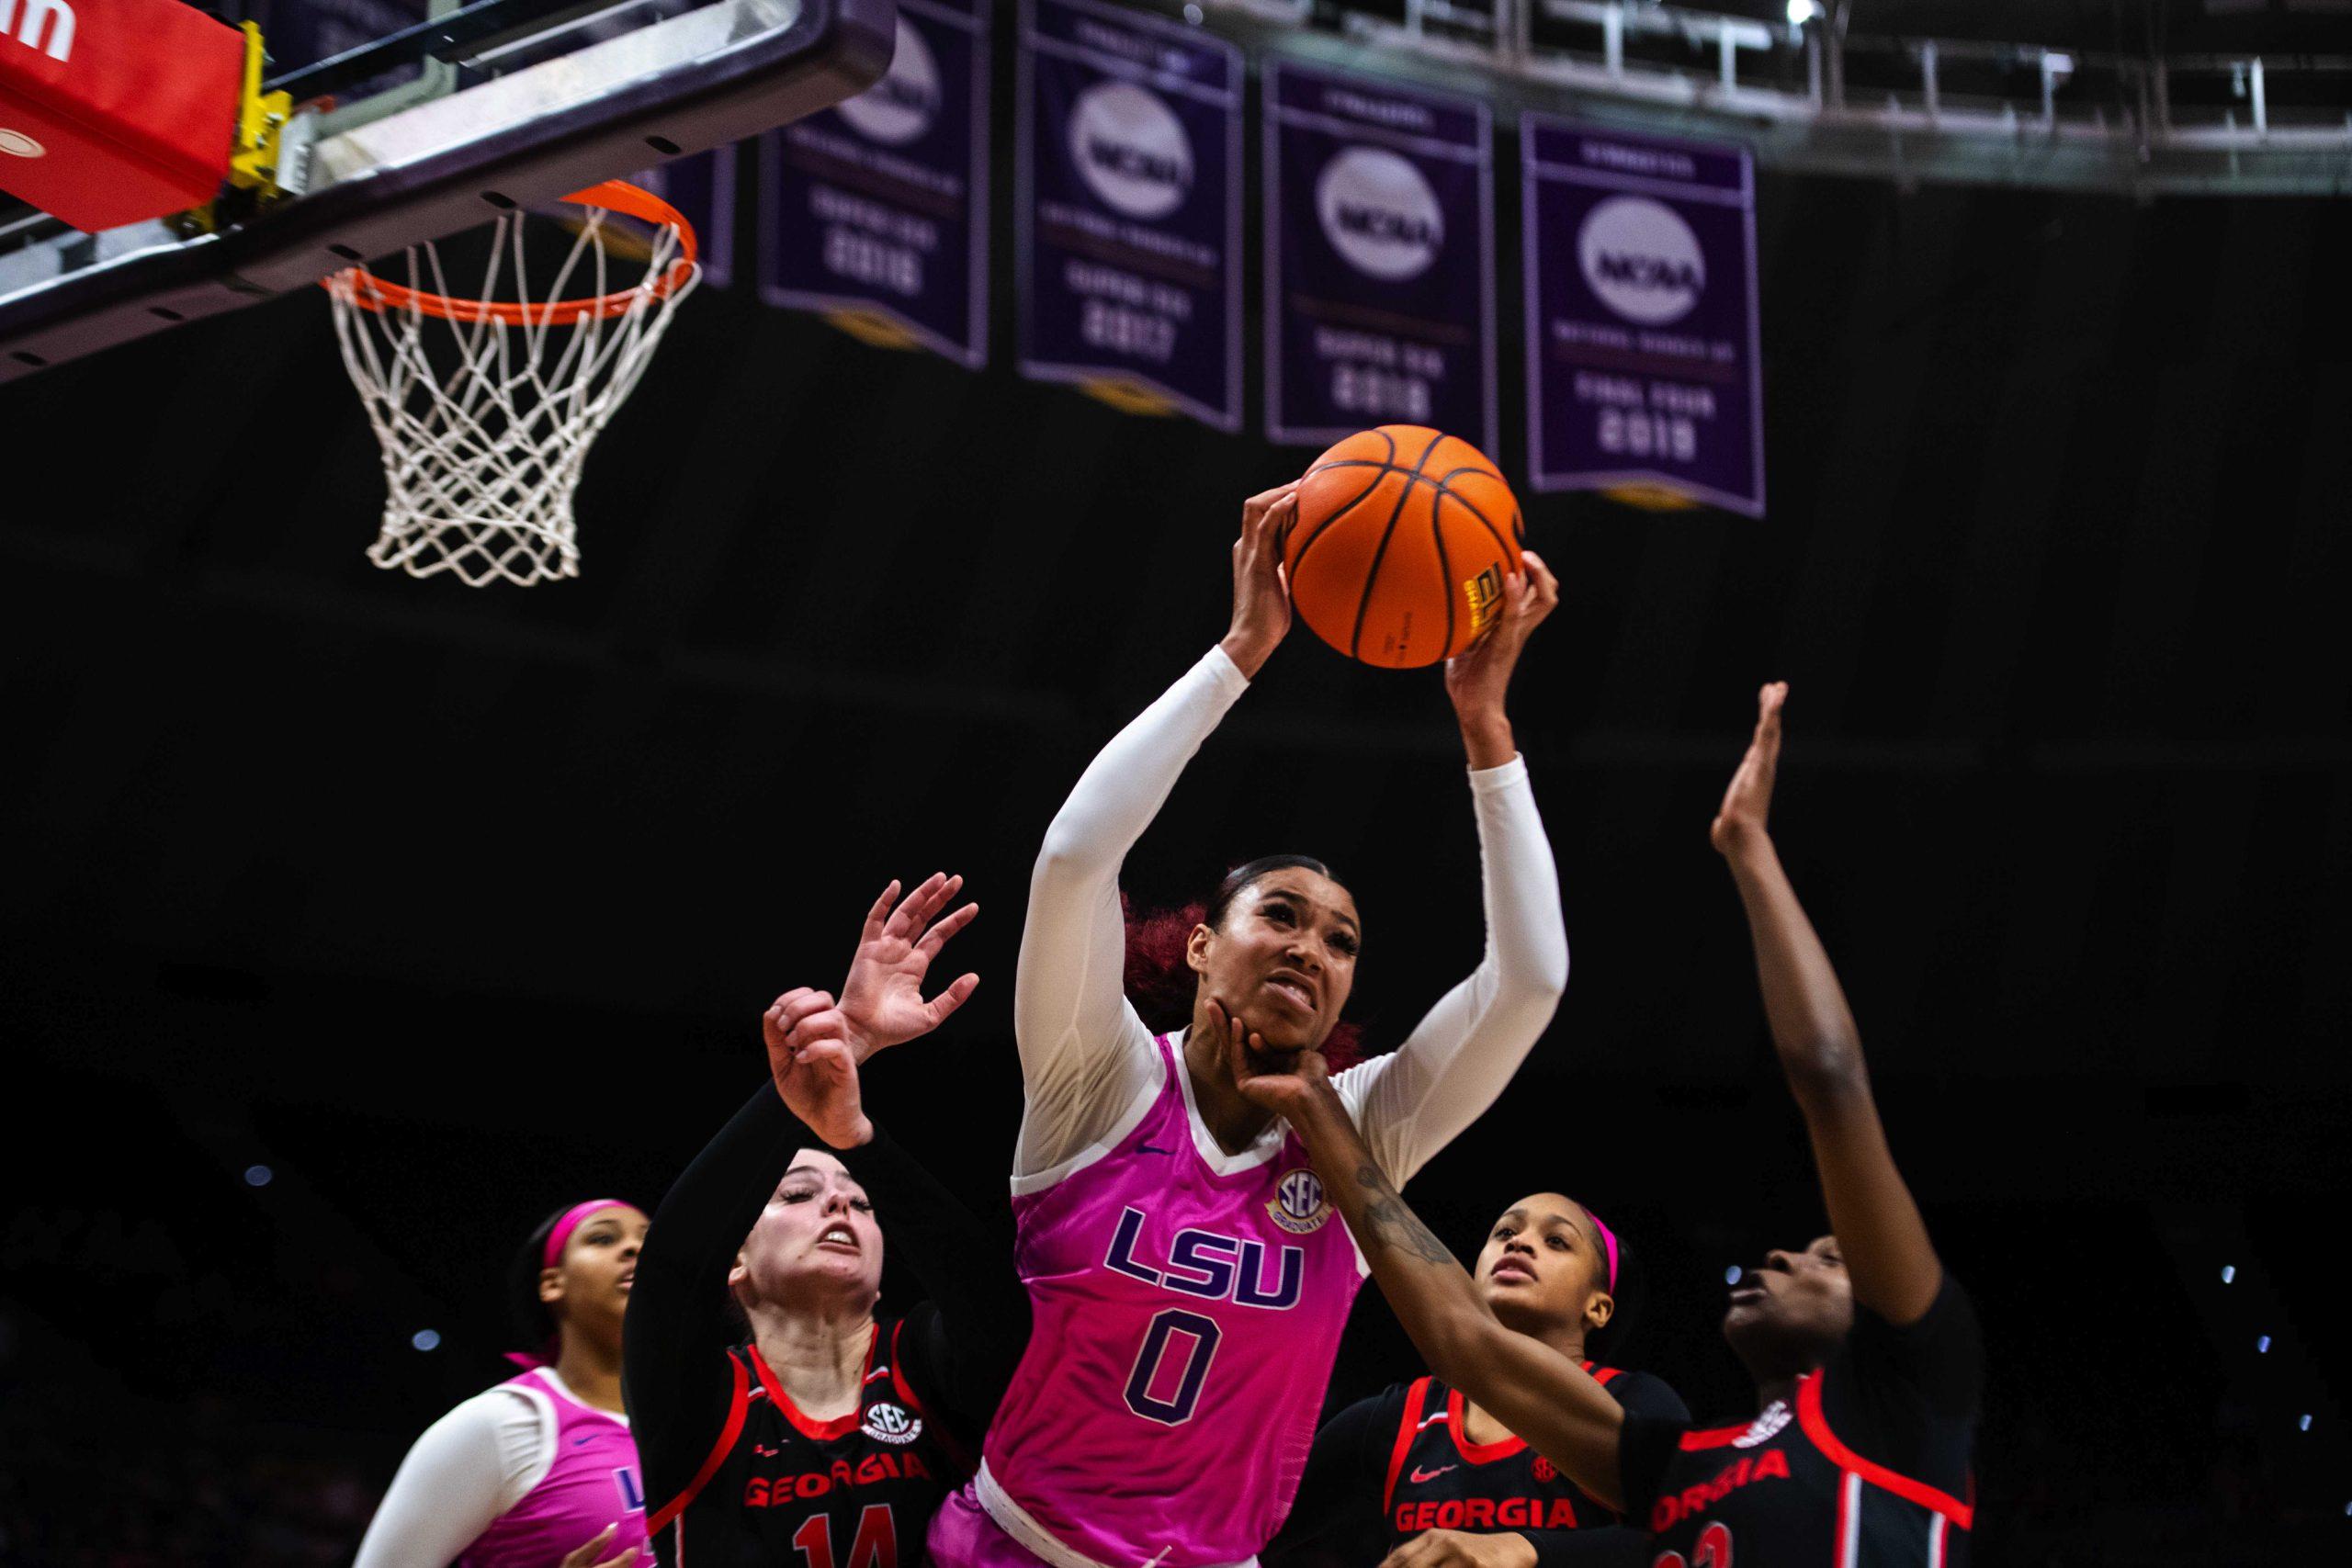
1185, 1325
592, 1480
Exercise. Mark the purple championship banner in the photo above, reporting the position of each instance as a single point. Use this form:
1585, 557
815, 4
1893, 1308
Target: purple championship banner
1380, 279
1643, 364
703, 190
878, 206
1129, 220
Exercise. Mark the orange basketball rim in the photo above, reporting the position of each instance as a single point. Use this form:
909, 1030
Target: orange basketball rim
371, 292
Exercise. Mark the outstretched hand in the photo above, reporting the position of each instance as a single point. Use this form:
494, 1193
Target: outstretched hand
1261, 594
1748, 801
1289, 1084
814, 1068
881, 1001
1477, 677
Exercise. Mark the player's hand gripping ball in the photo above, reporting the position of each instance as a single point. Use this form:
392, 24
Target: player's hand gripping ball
1402, 539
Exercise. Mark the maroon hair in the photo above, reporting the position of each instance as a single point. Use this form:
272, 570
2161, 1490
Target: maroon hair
1162, 985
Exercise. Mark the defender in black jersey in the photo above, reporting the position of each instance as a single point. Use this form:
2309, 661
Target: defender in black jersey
1389, 1469
1420, 1458
856, 1491
1860, 1457
778, 1212
1866, 1356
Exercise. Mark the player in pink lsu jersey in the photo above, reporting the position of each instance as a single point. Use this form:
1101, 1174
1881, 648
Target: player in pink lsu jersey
540, 1471
1189, 1280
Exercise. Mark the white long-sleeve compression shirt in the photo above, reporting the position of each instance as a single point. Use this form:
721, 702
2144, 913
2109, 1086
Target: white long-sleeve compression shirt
465, 1471
1087, 1059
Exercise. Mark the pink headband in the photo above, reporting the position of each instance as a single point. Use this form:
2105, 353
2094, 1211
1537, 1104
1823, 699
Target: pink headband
1609, 1243
570, 1221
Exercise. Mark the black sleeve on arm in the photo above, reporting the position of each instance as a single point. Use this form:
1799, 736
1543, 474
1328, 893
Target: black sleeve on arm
1645, 1398
1907, 1397
1610, 1546
1345, 1471
957, 1350
1645, 1446
1644, 1394
674, 1373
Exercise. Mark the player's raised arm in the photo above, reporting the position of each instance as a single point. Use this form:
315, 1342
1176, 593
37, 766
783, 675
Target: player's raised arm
1084, 1054
1414, 1101
1892, 1264
1541, 1395
784, 1214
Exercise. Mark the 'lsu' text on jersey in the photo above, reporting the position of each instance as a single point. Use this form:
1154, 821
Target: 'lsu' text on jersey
1186, 1318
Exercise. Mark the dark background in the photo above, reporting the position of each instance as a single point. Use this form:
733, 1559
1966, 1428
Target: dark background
452, 906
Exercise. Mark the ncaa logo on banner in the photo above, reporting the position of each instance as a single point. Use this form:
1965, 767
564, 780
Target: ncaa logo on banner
902, 105
1642, 260
1131, 149
1297, 1204
1379, 213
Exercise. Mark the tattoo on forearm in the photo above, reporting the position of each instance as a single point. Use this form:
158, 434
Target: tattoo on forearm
1387, 1220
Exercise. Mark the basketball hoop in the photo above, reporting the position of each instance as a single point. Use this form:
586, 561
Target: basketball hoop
485, 408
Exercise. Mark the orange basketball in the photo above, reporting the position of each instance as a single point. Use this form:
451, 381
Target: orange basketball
1402, 538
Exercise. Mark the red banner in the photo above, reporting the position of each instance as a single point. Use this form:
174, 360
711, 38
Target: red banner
112, 111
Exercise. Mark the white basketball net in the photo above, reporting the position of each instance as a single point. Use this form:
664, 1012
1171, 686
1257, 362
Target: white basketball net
485, 419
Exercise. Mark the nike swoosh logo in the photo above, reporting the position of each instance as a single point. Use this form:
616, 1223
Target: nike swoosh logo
577, 1442
1420, 1475
1149, 1149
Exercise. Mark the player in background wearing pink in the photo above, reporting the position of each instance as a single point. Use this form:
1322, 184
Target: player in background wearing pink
1188, 1279
539, 1471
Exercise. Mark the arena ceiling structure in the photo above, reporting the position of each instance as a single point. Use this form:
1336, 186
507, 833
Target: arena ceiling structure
2144, 95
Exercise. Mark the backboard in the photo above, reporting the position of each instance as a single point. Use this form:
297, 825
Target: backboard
413, 120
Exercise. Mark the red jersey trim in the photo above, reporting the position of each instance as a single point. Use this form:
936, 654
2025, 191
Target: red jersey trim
1415, 1398
1477, 1454
737, 1404
1604, 1376
1817, 1426
1714, 1437
821, 1431
1849, 1522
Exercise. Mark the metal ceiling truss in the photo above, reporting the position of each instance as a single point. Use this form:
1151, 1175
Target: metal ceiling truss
1811, 95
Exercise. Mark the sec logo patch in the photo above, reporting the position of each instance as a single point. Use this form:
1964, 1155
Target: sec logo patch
1298, 1204
889, 1424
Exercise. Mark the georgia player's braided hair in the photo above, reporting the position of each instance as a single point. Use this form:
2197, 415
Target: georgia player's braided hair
1162, 986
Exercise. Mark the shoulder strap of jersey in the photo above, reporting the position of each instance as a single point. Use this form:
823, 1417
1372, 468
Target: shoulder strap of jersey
898, 1373
1817, 1426
737, 1404
1416, 1396
1604, 1376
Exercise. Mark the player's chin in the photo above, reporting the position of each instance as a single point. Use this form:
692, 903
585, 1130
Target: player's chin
1748, 1317
1508, 1298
